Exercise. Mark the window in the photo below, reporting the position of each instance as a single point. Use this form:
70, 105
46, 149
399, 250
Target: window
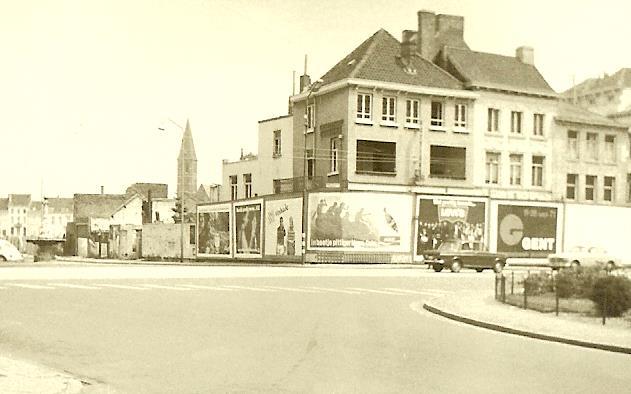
515, 126
609, 189
276, 186
363, 106
537, 170
492, 168
570, 188
12, 230
247, 180
191, 235
437, 120
233, 187
572, 144
24, 231
515, 169
493, 120
334, 150
310, 117
460, 116
610, 148
277, 145
628, 187
376, 157
310, 164
590, 187
537, 125
447, 162
411, 113
592, 146
388, 106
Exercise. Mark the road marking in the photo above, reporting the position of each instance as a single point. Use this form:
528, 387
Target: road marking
374, 291
334, 290
423, 292
208, 287
73, 286
123, 287
294, 289
25, 286
162, 287
251, 288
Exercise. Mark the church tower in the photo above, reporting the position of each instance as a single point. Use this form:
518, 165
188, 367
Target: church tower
187, 165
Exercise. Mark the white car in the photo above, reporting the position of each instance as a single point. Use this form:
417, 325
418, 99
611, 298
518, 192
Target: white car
8, 252
584, 256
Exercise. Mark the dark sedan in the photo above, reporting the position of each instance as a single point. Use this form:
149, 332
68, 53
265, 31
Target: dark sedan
457, 254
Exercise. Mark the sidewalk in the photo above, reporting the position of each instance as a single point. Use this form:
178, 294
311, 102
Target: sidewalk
484, 311
22, 377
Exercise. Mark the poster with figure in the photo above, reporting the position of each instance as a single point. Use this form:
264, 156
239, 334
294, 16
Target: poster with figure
283, 227
247, 229
442, 218
359, 221
527, 230
213, 235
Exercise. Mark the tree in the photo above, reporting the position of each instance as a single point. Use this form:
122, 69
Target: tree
189, 217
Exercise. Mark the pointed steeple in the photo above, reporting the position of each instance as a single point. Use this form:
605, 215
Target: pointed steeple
187, 164
187, 150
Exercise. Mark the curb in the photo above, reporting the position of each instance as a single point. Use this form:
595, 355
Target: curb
528, 334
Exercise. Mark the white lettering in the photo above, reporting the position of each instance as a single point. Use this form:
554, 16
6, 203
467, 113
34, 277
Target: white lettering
534, 243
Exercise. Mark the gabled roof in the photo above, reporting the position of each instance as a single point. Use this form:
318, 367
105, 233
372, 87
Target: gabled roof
378, 59
22, 200
207, 193
4, 204
574, 114
158, 190
99, 205
497, 72
187, 149
59, 204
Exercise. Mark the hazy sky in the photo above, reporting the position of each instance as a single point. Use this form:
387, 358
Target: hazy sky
85, 85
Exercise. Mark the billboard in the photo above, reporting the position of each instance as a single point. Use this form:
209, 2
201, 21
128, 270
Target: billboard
441, 218
359, 221
213, 235
527, 230
247, 226
283, 227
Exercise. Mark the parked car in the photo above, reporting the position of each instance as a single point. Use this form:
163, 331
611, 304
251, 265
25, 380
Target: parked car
456, 254
584, 256
8, 252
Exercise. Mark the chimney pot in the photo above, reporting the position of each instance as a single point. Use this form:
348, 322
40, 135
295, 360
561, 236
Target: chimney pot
525, 55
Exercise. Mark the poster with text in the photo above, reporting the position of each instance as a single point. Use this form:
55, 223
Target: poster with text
247, 220
360, 221
443, 218
526, 230
283, 227
213, 223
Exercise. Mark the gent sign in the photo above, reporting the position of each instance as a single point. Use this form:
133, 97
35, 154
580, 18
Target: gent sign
526, 230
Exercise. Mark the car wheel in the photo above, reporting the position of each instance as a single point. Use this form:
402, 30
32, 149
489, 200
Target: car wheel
575, 265
2, 258
437, 267
479, 269
456, 266
498, 267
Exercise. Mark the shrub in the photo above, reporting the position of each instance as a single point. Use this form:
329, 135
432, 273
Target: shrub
612, 295
579, 283
538, 283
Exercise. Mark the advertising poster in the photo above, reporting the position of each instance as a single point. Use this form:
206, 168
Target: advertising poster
213, 223
248, 226
441, 218
360, 221
526, 230
283, 227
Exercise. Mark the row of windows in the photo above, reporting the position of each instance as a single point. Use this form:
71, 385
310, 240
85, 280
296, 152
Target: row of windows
591, 184
247, 181
14, 231
389, 114
493, 169
591, 146
516, 122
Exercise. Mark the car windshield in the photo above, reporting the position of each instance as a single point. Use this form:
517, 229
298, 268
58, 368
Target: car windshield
448, 246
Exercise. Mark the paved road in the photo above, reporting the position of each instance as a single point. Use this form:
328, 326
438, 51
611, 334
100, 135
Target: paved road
271, 329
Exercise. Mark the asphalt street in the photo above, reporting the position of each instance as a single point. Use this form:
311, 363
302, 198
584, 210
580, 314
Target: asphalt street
146, 329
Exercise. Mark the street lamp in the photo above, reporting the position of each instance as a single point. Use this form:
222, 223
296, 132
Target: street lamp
312, 88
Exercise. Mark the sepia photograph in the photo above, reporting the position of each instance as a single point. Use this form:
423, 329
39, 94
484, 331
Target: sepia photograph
295, 196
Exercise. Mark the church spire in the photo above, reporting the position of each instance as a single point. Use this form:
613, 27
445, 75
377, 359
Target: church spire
187, 164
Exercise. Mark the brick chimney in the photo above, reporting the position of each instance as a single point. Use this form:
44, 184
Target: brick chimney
408, 44
525, 55
102, 189
305, 79
454, 23
426, 33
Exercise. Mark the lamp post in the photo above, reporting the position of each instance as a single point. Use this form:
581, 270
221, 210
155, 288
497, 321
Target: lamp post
312, 88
